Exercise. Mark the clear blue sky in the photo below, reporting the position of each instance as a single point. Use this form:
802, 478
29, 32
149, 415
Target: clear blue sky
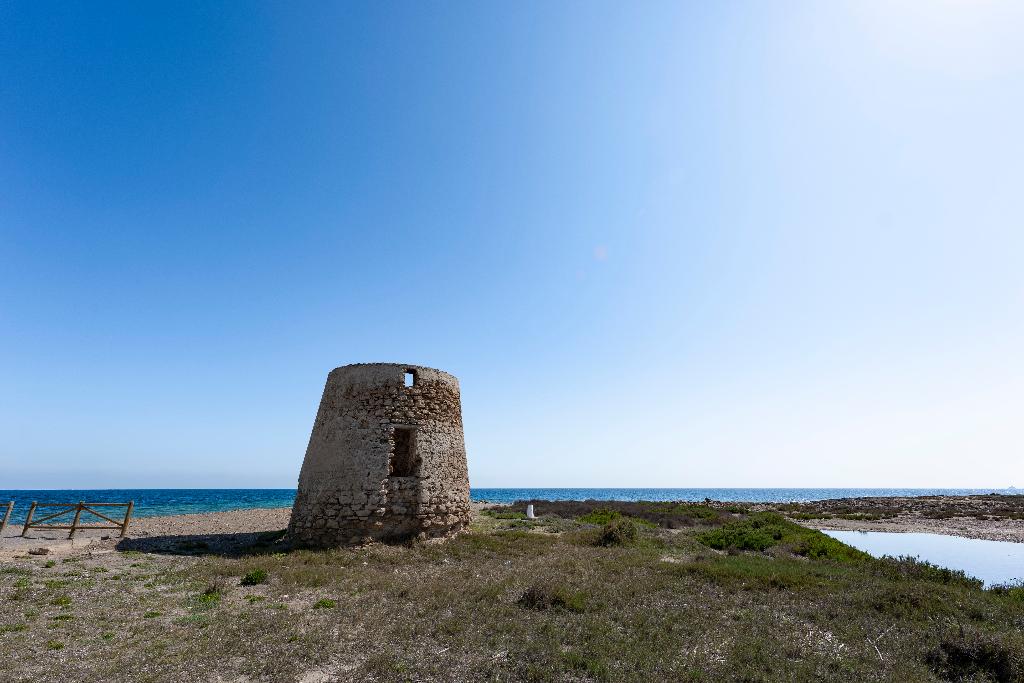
660, 244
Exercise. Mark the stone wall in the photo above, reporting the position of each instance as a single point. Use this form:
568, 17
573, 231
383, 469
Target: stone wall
347, 491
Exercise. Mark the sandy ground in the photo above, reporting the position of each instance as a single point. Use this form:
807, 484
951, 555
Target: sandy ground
178, 534
233, 527
224, 531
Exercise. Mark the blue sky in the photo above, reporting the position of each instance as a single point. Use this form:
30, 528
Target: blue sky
660, 244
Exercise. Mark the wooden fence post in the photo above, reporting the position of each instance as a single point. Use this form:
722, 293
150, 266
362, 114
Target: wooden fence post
78, 513
28, 520
7, 516
127, 518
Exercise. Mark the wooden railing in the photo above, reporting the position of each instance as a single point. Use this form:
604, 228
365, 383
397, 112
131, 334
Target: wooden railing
7, 516
78, 509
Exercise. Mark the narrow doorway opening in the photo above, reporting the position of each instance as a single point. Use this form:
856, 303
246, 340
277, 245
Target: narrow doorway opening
410, 378
403, 457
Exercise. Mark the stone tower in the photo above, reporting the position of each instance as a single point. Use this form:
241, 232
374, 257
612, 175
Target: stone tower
386, 459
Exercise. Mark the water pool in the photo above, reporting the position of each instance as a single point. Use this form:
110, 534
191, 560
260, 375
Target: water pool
994, 562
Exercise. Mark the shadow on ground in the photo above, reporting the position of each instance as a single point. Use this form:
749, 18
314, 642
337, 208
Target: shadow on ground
225, 545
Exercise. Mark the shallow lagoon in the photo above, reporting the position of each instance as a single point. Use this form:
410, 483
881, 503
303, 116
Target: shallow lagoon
994, 562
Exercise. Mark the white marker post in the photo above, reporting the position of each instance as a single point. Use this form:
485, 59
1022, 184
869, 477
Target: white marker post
529, 512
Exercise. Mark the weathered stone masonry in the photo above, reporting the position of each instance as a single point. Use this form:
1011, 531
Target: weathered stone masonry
384, 460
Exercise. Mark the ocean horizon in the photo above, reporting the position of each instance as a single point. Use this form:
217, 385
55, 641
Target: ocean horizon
160, 502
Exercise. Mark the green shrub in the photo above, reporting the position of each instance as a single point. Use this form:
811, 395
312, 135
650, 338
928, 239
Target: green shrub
752, 534
210, 596
700, 511
621, 531
325, 603
61, 601
820, 546
600, 516
913, 569
541, 596
54, 645
972, 655
764, 530
255, 577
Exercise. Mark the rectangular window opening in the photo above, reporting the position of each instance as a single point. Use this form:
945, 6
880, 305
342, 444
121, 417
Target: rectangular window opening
403, 457
410, 378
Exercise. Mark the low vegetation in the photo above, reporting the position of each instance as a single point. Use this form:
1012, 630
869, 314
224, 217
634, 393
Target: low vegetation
761, 531
254, 577
622, 531
669, 515
992, 506
605, 592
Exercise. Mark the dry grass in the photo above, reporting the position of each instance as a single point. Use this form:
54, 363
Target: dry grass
514, 600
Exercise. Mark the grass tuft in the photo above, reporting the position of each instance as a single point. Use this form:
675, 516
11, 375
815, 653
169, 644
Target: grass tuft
254, 577
210, 596
541, 597
971, 655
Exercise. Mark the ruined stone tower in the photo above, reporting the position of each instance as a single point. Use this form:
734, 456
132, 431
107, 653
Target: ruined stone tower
386, 459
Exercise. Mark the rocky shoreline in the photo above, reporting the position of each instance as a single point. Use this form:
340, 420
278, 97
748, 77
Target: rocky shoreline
992, 517
965, 527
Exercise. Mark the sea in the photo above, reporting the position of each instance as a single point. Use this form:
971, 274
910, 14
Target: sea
155, 502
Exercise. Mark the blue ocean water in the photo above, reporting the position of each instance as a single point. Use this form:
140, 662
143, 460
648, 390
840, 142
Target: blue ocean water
153, 502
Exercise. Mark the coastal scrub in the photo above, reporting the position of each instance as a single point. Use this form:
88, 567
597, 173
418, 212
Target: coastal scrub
724, 595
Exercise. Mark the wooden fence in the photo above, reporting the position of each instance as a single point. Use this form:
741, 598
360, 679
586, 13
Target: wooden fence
7, 516
78, 509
